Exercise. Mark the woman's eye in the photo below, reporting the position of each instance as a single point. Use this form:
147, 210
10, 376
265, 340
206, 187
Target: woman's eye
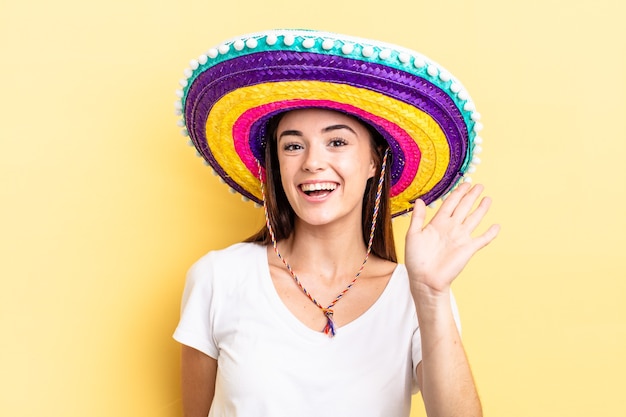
292, 147
338, 142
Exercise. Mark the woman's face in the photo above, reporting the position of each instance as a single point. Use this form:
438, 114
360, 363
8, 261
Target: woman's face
325, 161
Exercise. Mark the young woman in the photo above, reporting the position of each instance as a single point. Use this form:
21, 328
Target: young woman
313, 315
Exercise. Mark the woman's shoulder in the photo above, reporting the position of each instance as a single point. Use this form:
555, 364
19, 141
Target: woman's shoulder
236, 255
235, 250
241, 249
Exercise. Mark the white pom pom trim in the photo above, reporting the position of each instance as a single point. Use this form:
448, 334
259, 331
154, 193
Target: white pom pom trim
271, 40
445, 76
418, 62
239, 45
289, 40
384, 54
469, 106
367, 51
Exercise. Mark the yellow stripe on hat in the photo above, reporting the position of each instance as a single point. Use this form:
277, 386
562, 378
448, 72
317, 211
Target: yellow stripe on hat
432, 143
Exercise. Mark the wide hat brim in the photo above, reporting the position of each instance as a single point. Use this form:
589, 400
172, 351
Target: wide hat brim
426, 116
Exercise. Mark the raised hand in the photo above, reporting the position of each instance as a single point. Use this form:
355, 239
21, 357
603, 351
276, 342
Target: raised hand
438, 251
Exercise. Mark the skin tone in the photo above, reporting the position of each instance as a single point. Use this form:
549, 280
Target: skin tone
325, 161
198, 372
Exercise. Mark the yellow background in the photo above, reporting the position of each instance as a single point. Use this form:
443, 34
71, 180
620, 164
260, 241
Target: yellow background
103, 206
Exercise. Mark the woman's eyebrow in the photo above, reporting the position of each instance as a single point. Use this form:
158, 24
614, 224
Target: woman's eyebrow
289, 133
327, 129
338, 127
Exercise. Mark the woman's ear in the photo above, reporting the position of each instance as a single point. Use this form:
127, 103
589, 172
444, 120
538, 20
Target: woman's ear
377, 154
372, 168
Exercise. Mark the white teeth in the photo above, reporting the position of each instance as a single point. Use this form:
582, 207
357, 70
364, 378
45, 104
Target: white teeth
328, 186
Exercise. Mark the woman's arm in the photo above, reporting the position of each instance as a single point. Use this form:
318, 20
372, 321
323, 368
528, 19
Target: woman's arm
435, 255
198, 381
444, 375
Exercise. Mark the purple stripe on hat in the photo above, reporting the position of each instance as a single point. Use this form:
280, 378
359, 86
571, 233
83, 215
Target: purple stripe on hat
269, 66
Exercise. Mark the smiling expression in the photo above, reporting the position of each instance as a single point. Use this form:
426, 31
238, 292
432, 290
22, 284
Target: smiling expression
325, 161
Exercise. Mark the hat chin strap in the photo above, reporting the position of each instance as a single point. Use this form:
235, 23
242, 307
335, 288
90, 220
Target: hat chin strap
330, 329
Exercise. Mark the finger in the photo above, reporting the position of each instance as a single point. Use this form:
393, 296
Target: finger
473, 219
452, 200
487, 237
466, 203
418, 216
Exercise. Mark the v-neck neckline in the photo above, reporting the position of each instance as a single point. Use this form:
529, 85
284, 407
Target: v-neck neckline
300, 327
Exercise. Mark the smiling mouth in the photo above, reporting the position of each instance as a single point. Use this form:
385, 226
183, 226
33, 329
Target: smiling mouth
318, 189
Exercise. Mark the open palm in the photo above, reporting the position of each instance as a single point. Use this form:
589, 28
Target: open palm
437, 252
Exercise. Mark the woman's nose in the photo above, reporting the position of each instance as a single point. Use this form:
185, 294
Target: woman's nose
314, 159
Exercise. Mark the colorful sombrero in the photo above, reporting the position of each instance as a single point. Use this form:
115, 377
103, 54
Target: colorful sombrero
425, 114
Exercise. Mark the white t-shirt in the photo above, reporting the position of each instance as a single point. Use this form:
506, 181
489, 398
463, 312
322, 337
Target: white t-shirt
271, 364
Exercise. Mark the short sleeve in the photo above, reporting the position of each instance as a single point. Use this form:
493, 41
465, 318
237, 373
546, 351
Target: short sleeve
195, 328
417, 341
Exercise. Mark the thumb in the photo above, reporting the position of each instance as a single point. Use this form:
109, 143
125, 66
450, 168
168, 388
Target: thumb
418, 216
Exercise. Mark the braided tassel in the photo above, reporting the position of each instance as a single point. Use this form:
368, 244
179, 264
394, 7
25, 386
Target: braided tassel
329, 329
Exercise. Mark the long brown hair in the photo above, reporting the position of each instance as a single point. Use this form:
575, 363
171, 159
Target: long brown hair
282, 216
